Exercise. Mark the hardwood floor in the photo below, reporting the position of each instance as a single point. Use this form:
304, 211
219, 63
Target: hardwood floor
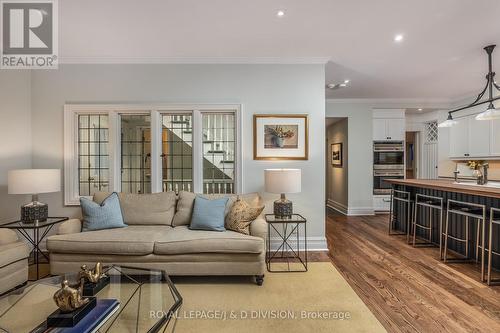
409, 289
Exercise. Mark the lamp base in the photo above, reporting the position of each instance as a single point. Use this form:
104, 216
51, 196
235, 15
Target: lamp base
34, 212
283, 207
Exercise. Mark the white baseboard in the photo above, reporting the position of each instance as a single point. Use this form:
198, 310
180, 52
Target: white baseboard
339, 207
315, 243
360, 211
349, 211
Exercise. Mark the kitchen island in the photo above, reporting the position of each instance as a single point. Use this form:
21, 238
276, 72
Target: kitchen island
447, 189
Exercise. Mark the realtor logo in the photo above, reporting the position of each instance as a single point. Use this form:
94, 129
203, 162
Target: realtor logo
29, 34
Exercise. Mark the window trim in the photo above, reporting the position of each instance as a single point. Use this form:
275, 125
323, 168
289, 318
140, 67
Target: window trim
71, 112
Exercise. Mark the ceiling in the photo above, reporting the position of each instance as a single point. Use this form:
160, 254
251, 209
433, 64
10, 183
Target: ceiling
440, 57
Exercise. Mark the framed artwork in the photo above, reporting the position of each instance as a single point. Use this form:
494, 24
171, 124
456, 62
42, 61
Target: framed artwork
336, 154
280, 137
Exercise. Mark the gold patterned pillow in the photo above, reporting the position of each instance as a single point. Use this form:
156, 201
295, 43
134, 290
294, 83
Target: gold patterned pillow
241, 216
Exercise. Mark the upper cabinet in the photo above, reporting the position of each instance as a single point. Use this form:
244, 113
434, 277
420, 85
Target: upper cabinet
459, 138
471, 138
389, 125
495, 137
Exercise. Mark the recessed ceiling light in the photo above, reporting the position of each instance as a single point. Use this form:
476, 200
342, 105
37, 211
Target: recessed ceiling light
398, 38
280, 13
346, 81
420, 109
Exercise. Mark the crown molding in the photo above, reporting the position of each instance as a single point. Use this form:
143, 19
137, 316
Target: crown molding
395, 102
197, 60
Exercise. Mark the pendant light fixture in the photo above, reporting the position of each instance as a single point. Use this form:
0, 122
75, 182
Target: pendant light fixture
491, 112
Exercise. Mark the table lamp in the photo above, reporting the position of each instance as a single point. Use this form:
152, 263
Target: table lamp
34, 182
283, 181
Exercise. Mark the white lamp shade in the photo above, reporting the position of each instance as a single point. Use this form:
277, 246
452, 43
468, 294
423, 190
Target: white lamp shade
490, 114
34, 181
283, 180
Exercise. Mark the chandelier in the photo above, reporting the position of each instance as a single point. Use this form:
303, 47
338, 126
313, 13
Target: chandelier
491, 112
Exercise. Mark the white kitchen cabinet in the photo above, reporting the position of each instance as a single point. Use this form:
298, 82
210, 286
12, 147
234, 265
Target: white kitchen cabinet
379, 129
479, 137
396, 129
459, 139
495, 138
381, 203
388, 129
475, 139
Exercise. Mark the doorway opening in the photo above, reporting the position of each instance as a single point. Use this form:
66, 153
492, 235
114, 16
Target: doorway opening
337, 164
411, 155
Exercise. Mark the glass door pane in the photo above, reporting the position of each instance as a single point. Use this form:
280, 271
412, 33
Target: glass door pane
93, 157
135, 153
177, 152
219, 150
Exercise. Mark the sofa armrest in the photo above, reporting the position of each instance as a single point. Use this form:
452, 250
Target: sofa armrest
71, 226
258, 228
8, 236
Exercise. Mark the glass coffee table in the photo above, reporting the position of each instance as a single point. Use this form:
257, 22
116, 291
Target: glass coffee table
148, 301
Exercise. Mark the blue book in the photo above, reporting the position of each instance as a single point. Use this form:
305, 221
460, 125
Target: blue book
104, 309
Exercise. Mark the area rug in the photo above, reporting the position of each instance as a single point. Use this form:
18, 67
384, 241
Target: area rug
319, 300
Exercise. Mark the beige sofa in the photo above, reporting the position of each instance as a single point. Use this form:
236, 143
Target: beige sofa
158, 237
13, 261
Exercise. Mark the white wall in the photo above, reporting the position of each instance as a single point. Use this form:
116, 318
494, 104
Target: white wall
259, 88
360, 191
337, 177
15, 136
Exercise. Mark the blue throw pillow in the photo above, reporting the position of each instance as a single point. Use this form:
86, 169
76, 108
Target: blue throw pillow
107, 215
208, 214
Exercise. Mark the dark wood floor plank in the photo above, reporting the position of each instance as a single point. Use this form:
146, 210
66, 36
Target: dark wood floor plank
409, 289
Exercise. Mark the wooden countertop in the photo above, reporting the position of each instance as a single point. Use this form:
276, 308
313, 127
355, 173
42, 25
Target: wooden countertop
448, 186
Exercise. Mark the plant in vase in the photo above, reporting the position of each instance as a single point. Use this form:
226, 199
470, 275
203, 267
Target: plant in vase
478, 167
279, 135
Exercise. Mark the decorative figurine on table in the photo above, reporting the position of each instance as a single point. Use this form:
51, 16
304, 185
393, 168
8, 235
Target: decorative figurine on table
68, 298
73, 307
93, 275
94, 279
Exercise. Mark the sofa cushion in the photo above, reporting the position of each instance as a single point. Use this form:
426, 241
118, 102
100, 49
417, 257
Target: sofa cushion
208, 214
106, 215
241, 216
182, 240
144, 209
184, 208
132, 240
13, 252
185, 204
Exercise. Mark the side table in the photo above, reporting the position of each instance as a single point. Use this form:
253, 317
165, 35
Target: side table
288, 232
40, 230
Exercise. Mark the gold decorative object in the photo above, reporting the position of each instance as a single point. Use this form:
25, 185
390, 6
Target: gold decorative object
93, 275
69, 299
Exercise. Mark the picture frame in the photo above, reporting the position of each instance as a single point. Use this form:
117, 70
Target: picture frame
280, 137
336, 155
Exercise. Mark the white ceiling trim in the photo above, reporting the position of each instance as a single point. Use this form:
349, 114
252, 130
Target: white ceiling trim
395, 102
196, 60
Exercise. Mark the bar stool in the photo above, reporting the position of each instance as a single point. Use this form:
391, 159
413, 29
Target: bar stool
490, 239
405, 198
433, 203
469, 211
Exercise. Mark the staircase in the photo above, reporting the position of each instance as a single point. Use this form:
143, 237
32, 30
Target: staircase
218, 156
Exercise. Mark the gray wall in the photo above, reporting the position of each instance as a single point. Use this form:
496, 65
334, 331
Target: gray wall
15, 136
360, 169
337, 177
259, 88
